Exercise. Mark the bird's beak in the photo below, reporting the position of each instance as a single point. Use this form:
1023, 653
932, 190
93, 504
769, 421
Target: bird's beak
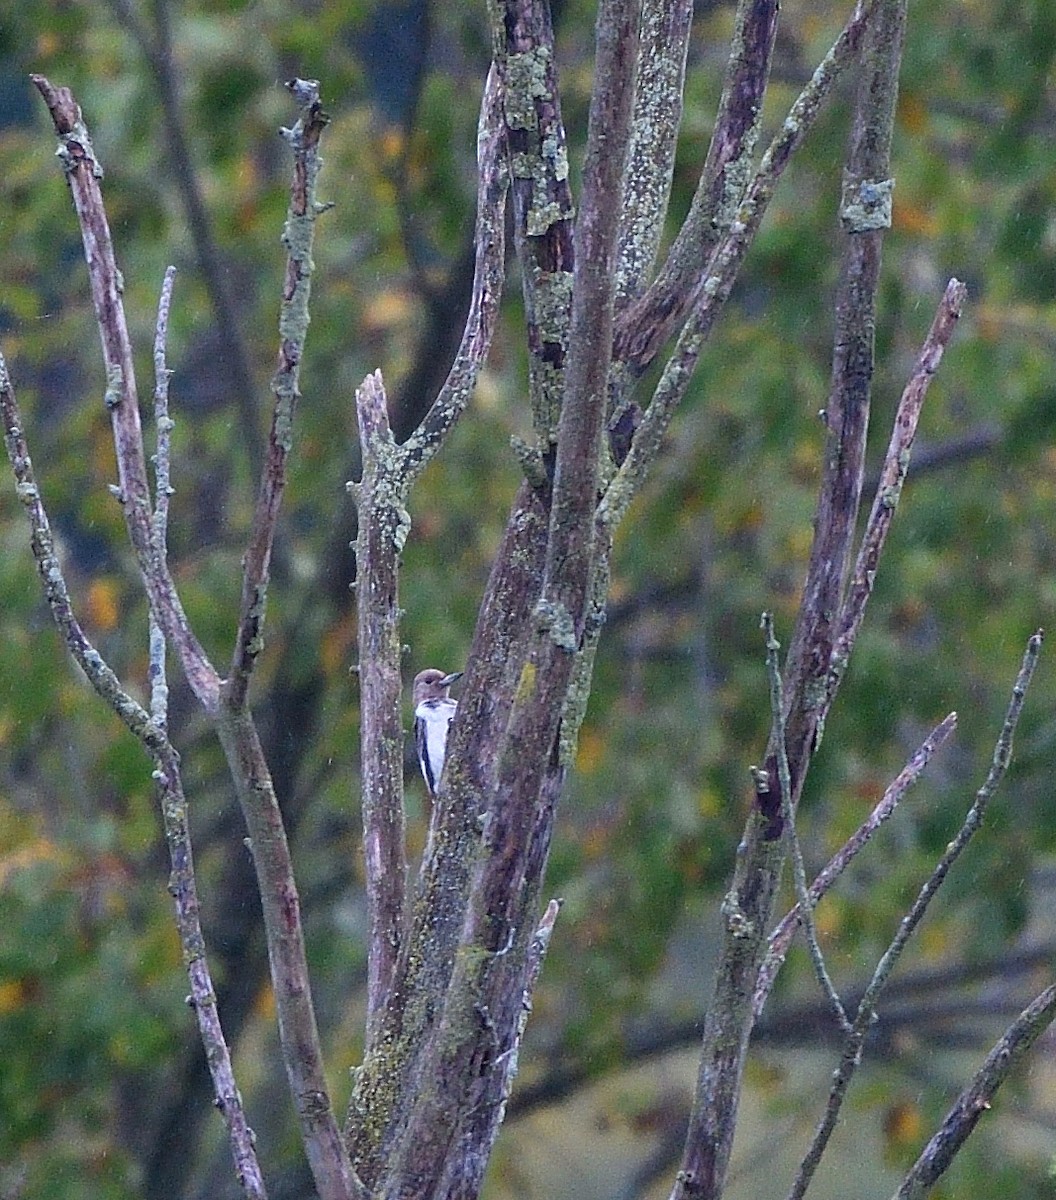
448, 680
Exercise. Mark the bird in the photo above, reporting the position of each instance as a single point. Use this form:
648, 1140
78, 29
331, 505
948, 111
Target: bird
433, 710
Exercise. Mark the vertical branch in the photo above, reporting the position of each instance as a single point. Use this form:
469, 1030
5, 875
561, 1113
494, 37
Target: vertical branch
83, 173
383, 526
162, 421
420, 964
298, 236
865, 213
749, 905
298, 1030
654, 138
395, 1036
523, 39
649, 321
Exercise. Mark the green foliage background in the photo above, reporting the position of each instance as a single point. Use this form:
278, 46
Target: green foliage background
95, 1042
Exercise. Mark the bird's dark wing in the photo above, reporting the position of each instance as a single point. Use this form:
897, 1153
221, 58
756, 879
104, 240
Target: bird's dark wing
423, 758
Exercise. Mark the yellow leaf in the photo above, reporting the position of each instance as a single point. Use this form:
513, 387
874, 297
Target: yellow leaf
102, 603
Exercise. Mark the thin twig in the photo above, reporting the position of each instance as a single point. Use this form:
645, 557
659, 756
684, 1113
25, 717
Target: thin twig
805, 905
298, 236
149, 729
162, 421
975, 1099
782, 936
159, 688
866, 1013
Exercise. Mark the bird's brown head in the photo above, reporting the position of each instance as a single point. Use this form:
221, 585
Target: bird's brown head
432, 684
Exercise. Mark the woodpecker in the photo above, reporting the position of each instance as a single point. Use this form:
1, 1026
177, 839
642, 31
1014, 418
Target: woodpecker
433, 710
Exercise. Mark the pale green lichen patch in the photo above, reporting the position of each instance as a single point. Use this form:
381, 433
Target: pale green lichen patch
78, 136
531, 461
526, 82
553, 305
866, 204
555, 620
555, 153
542, 217
115, 380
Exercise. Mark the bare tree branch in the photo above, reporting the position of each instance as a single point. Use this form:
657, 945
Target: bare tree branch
889, 489
866, 1014
805, 902
523, 48
649, 321
383, 526
749, 904
782, 936
150, 731
975, 1100
865, 213
298, 236
666, 26
83, 173
381, 496
476, 1026
713, 286
489, 266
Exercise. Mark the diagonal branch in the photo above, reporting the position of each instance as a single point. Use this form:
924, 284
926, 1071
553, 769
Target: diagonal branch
974, 1100
804, 899
892, 477
83, 173
489, 243
782, 936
